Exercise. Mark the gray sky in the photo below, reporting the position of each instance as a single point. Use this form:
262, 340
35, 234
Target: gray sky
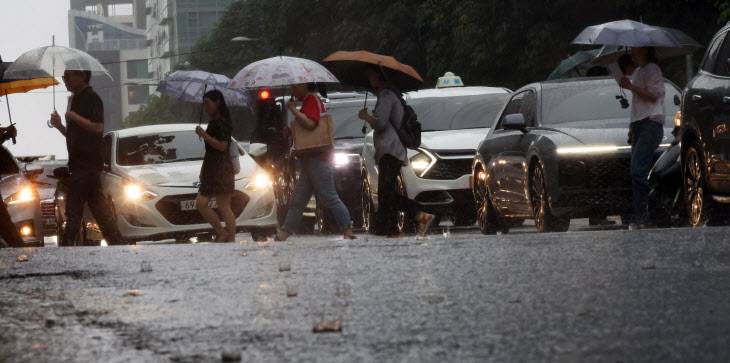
30, 24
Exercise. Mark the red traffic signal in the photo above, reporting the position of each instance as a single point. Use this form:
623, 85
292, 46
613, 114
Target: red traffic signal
264, 95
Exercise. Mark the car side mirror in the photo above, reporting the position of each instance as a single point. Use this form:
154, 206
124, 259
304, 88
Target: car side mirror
677, 100
257, 149
515, 121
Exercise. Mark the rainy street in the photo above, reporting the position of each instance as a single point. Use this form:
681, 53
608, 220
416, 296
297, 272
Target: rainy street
588, 295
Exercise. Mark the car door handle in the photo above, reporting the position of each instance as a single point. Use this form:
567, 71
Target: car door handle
697, 98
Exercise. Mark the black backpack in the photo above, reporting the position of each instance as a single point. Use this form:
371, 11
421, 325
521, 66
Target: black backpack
409, 132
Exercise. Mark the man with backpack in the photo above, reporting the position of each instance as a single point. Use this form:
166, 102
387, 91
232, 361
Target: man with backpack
391, 139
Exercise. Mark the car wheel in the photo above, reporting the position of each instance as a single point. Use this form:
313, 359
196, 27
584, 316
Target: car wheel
406, 222
486, 213
694, 188
545, 221
283, 195
324, 222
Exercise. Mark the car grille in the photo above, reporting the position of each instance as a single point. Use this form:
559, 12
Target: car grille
449, 169
169, 207
48, 216
609, 173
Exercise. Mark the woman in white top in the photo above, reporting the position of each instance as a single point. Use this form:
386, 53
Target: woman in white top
647, 125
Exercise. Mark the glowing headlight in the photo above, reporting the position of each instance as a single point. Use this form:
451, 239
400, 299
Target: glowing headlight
136, 192
422, 162
258, 182
678, 119
344, 159
23, 196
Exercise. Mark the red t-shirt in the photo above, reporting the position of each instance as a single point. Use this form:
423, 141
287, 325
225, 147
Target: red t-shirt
311, 108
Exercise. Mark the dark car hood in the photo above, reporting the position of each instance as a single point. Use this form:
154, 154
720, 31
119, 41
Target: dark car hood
353, 146
610, 132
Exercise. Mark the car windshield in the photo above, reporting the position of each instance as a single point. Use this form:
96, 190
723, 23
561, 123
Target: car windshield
346, 122
458, 112
160, 148
594, 104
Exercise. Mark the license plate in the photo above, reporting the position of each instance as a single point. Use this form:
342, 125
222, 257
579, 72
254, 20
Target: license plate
190, 204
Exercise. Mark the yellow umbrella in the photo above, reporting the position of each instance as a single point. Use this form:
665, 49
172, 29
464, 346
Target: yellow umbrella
26, 85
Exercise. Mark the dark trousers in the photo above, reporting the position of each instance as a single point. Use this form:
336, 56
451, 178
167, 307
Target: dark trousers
390, 201
646, 135
8, 231
85, 188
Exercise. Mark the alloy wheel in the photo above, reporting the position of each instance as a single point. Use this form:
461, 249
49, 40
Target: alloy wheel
538, 198
401, 214
695, 190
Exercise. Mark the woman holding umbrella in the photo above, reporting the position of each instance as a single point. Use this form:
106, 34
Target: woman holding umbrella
647, 120
390, 155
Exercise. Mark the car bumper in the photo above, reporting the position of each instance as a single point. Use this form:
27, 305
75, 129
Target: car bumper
163, 217
439, 196
28, 216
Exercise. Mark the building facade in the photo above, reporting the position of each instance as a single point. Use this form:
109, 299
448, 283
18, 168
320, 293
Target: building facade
114, 32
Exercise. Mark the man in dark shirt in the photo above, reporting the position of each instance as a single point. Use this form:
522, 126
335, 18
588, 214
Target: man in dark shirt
83, 132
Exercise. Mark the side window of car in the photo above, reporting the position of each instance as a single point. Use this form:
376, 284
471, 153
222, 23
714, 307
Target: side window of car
528, 108
513, 106
720, 62
106, 149
708, 64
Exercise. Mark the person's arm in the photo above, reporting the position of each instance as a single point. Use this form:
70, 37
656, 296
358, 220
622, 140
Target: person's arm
86, 124
219, 145
655, 85
304, 120
381, 115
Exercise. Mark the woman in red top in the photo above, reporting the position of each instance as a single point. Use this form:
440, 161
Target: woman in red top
317, 174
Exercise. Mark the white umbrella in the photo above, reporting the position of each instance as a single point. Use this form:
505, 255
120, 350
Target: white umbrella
626, 33
51, 60
610, 53
190, 86
281, 72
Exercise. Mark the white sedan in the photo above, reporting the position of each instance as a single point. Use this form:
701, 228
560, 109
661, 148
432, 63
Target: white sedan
453, 122
151, 179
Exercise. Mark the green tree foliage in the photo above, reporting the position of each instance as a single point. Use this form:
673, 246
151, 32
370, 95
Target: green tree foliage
164, 110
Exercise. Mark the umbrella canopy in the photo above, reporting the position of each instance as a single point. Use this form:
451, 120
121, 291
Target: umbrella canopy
626, 33
190, 86
351, 69
54, 59
610, 53
568, 64
9, 87
281, 72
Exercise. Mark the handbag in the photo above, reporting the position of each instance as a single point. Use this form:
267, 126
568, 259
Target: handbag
313, 141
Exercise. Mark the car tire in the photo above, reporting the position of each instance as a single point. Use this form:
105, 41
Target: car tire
406, 221
489, 221
368, 207
697, 200
324, 221
545, 221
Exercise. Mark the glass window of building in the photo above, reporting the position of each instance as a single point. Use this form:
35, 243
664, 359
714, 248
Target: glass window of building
138, 95
137, 69
121, 9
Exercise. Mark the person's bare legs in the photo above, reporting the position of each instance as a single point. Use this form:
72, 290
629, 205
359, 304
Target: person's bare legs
201, 204
224, 207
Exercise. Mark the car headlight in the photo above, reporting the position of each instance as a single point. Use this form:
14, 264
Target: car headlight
422, 162
259, 181
678, 119
23, 196
136, 192
342, 159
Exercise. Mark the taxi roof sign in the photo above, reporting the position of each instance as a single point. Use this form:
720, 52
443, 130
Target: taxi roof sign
449, 80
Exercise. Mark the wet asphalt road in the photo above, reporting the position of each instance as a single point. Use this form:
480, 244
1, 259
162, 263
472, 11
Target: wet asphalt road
583, 296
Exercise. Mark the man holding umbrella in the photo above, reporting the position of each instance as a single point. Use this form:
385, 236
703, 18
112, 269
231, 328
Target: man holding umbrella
83, 132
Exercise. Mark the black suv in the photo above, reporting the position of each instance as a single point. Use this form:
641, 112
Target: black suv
705, 134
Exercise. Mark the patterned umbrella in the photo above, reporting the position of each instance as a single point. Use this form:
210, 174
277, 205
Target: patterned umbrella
281, 72
190, 86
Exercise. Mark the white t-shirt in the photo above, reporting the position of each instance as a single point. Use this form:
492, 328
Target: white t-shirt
649, 77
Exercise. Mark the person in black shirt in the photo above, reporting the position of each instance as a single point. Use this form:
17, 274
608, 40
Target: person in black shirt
216, 174
83, 132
